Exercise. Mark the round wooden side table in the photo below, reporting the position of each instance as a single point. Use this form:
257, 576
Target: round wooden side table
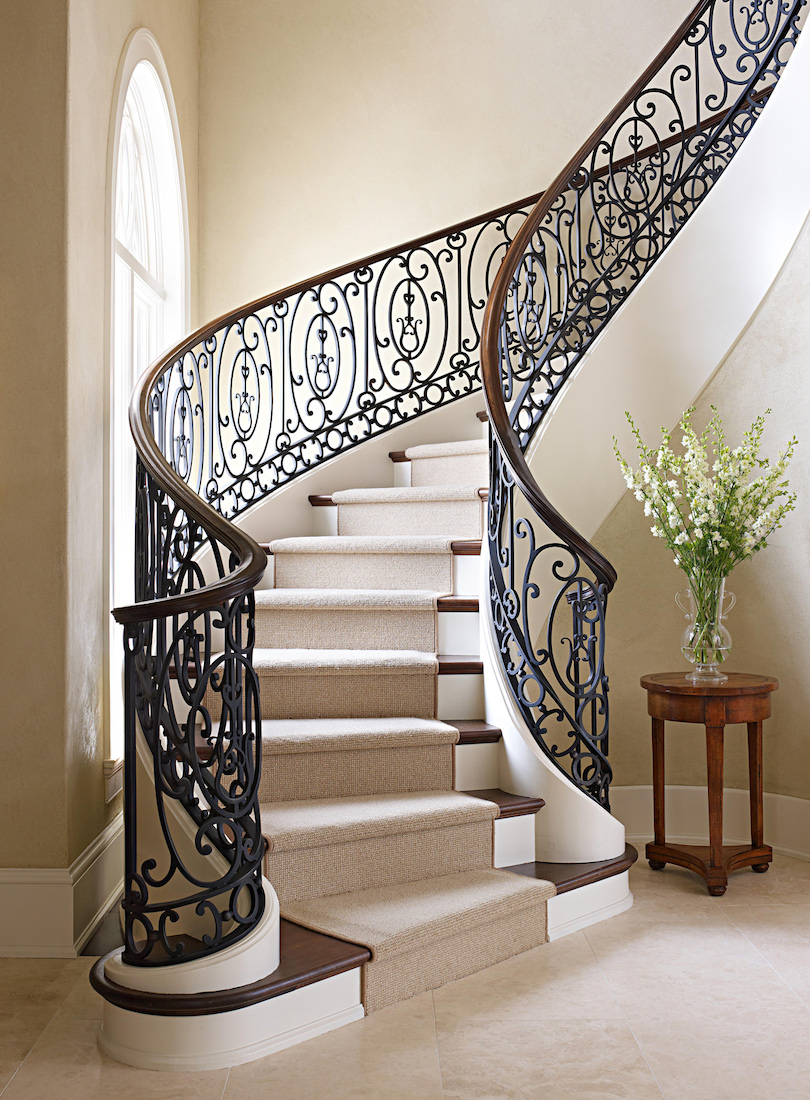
740, 698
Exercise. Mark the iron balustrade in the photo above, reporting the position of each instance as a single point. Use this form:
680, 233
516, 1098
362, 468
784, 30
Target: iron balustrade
590, 240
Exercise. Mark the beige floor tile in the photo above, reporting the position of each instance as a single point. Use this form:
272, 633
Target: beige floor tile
558, 981
66, 1064
786, 882
511, 1059
391, 1055
31, 992
782, 934
747, 1056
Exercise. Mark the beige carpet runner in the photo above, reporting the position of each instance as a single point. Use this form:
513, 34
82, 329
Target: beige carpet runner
366, 838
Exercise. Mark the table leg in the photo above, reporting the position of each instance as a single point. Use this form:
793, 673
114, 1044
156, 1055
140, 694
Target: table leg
714, 775
658, 787
755, 787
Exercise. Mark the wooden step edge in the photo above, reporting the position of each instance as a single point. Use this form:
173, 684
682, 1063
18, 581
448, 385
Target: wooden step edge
459, 664
570, 876
482, 416
474, 731
458, 603
398, 456
323, 500
306, 957
466, 548
462, 548
510, 805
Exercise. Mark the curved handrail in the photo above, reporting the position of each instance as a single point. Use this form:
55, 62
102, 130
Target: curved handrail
192, 692
595, 232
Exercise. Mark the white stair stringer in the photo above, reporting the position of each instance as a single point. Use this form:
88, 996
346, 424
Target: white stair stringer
572, 828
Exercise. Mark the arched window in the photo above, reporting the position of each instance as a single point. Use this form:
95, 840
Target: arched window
149, 310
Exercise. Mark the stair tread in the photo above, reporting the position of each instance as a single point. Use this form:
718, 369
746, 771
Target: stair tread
448, 450
299, 735
473, 731
425, 494
510, 805
344, 661
373, 544
455, 664
570, 876
316, 822
391, 920
349, 599
363, 544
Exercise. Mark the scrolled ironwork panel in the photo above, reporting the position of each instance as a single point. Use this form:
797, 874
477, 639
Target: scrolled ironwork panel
589, 243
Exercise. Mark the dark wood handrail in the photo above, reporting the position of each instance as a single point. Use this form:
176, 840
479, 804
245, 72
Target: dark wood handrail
490, 331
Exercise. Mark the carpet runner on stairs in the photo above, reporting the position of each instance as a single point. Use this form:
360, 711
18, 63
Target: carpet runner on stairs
366, 839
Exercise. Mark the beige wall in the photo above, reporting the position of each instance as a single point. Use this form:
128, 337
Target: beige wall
332, 130
33, 435
767, 367
59, 65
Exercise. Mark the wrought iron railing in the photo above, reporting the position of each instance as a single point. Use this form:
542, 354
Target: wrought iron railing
589, 241
241, 408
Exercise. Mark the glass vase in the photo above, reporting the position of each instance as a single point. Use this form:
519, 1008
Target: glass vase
706, 643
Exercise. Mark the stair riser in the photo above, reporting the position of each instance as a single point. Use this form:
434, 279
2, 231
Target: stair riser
379, 861
356, 772
358, 695
431, 572
462, 519
477, 767
391, 980
455, 470
338, 629
460, 696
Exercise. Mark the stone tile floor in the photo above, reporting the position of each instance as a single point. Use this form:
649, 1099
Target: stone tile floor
682, 996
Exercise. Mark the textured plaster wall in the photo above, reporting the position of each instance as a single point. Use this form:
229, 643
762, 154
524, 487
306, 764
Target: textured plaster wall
59, 64
332, 130
767, 367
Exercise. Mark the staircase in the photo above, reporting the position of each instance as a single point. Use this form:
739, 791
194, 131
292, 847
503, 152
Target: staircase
376, 813
367, 839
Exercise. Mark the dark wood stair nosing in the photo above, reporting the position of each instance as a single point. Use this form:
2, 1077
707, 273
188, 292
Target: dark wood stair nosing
460, 547
474, 731
324, 500
459, 664
306, 957
482, 416
570, 876
398, 456
458, 603
510, 805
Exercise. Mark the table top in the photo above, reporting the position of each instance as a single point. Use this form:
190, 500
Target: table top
738, 683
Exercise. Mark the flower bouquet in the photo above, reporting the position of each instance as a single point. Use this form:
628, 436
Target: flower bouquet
712, 515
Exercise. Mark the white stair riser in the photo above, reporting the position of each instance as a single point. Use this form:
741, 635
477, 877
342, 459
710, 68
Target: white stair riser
514, 840
466, 574
476, 767
462, 519
458, 632
460, 696
458, 470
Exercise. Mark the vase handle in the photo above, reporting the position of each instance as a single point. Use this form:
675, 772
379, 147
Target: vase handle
678, 597
727, 607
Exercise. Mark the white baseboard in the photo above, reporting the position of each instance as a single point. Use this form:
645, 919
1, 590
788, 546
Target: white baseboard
787, 819
51, 912
588, 905
194, 1043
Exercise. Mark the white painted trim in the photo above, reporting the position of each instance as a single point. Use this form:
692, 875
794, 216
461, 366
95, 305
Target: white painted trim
113, 778
51, 912
787, 819
192, 1043
588, 905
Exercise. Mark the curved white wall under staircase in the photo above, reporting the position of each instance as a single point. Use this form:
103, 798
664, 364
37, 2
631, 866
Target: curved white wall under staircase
654, 359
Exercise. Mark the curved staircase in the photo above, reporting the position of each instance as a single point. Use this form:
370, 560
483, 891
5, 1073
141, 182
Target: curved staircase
327, 714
